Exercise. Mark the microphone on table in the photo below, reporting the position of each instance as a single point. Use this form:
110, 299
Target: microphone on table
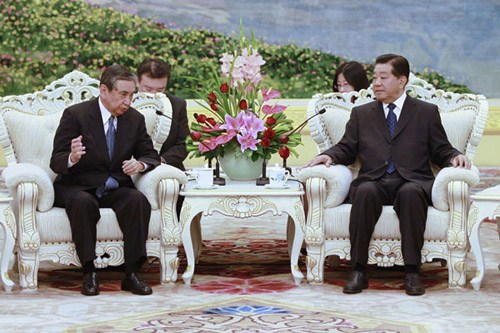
297, 130
158, 112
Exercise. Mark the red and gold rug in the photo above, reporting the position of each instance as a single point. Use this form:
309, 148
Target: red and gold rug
248, 267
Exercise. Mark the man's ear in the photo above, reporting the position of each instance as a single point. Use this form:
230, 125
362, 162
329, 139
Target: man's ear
103, 89
403, 80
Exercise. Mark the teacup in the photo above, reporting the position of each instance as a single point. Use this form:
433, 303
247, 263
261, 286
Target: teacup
204, 177
278, 176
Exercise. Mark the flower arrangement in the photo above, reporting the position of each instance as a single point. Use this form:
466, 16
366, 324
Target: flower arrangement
241, 115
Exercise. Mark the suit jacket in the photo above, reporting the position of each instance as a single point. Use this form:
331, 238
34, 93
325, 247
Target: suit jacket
173, 149
419, 139
132, 140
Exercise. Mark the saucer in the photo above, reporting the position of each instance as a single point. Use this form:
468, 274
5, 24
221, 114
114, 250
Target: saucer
273, 187
197, 187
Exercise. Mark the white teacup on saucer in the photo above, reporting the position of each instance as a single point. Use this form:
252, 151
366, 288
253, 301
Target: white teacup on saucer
278, 177
204, 177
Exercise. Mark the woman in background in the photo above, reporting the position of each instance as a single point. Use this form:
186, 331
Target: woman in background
350, 76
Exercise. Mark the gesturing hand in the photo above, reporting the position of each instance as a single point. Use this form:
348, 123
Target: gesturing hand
132, 166
77, 150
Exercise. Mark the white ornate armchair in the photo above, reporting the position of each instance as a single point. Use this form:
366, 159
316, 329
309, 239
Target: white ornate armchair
27, 127
446, 235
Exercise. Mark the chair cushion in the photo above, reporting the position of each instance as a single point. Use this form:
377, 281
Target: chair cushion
35, 148
54, 226
458, 126
337, 224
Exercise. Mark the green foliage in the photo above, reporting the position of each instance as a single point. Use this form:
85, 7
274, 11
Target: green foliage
42, 40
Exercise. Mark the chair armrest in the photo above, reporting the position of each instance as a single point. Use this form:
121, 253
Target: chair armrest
338, 179
444, 177
148, 182
30, 173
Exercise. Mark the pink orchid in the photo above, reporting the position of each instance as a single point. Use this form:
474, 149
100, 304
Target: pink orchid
268, 94
271, 109
225, 137
226, 60
208, 144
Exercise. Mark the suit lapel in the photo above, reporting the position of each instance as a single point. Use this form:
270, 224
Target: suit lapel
122, 132
97, 128
378, 118
406, 114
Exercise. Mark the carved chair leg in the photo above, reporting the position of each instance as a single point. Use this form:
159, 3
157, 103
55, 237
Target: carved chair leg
28, 270
457, 268
315, 264
169, 264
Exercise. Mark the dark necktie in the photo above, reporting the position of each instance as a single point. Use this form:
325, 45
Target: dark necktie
111, 183
392, 121
110, 136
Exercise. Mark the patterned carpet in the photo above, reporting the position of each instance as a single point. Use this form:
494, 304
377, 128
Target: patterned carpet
249, 314
248, 267
242, 283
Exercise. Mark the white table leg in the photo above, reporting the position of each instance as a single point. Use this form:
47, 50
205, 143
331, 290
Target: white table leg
295, 230
9, 227
196, 236
186, 219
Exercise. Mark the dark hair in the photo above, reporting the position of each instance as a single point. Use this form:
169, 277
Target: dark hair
115, 73
400, 65
355, 75
154, 68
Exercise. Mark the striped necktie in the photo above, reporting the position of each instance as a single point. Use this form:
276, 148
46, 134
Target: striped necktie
111, 183
392, 121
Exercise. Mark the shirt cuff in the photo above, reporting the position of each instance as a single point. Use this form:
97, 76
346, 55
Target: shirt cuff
70, 164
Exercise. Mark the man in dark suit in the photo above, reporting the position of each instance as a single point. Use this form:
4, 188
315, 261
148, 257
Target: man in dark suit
98, 146
153, 75
395, 138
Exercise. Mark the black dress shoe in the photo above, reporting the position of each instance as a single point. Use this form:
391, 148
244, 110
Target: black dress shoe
356, 282
134, 284
414, 284
90, 286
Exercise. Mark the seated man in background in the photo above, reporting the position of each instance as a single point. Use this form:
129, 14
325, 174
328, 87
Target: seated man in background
153, 75
98, 146
395, 137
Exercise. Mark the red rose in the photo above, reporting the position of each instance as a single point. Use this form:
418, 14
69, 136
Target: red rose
265, 142
243, 104
196, 136
214, 107
269, 133
284, 139
224, 88
270, 121
284, 152
212, 98
201, 118
211, 121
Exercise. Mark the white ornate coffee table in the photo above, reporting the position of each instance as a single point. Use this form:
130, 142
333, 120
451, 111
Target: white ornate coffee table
240, 200
484, 204
8, 223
